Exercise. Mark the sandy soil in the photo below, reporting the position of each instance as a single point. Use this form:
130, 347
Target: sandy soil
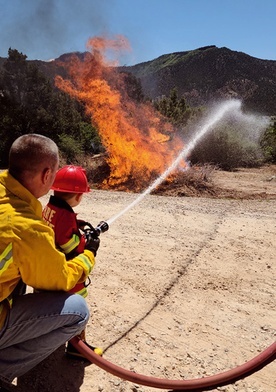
184, 287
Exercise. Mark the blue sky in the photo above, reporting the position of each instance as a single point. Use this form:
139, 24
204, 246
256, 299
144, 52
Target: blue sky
45, 29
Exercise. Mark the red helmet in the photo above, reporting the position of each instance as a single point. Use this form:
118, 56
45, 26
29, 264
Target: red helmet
71, 179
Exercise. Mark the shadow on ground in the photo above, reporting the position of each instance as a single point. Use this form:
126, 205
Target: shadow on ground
55, 374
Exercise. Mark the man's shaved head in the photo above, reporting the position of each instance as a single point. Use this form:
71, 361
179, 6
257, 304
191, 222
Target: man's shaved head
30, 154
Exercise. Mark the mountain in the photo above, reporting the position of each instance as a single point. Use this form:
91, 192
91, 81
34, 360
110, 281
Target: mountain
200, 75
209, 73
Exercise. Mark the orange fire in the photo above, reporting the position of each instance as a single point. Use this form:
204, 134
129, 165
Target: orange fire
139, 142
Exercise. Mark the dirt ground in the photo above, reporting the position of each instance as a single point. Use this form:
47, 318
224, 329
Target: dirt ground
183, 288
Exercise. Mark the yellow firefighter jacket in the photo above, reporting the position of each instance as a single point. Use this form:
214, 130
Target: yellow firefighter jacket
27, 247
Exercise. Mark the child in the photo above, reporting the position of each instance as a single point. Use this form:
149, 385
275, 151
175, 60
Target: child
69, 186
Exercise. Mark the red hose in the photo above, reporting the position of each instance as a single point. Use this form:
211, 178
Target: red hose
219, 379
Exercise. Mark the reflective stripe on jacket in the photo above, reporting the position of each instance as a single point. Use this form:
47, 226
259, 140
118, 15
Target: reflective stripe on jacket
59, 215
27, 246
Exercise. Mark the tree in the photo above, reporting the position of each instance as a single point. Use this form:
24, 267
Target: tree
175, 109
30, 104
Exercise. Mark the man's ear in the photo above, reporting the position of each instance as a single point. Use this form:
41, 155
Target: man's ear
45, 175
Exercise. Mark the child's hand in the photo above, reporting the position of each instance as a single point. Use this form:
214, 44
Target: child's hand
92, 244
82, 224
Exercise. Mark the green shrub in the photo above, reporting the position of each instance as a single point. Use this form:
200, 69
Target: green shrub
89, 139
70, 149
228, 150
268, 144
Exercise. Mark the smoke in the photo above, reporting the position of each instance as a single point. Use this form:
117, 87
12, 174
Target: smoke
44, 29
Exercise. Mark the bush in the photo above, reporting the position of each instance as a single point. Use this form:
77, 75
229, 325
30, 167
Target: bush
90, 139
227, 150
70, 149
268, 144
194, 181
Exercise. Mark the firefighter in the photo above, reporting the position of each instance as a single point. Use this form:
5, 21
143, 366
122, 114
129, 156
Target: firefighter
69, 186
34, 325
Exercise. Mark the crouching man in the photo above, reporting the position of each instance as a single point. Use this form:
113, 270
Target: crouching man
34, 325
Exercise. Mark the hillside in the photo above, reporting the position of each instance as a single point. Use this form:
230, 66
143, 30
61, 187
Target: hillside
200, 75
211, 73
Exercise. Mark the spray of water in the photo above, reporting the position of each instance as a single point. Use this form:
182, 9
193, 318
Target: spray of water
250, 126
213, 119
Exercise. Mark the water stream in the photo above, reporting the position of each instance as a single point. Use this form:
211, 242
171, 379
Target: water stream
213, 118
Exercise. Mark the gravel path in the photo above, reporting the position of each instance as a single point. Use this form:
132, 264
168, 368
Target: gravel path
183, 288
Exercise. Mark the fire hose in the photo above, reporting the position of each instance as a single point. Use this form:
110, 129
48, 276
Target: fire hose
219, 379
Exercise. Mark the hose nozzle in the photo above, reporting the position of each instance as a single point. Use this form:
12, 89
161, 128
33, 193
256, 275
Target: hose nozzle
102, 227
94, 232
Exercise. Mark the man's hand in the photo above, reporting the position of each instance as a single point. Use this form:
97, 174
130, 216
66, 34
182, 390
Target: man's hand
92, 244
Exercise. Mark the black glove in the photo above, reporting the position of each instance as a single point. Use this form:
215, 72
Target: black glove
82, 224
92, 244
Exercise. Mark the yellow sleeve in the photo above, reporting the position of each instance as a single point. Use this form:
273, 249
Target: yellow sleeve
42, 266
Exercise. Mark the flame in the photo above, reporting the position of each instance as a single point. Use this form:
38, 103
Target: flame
140, 143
